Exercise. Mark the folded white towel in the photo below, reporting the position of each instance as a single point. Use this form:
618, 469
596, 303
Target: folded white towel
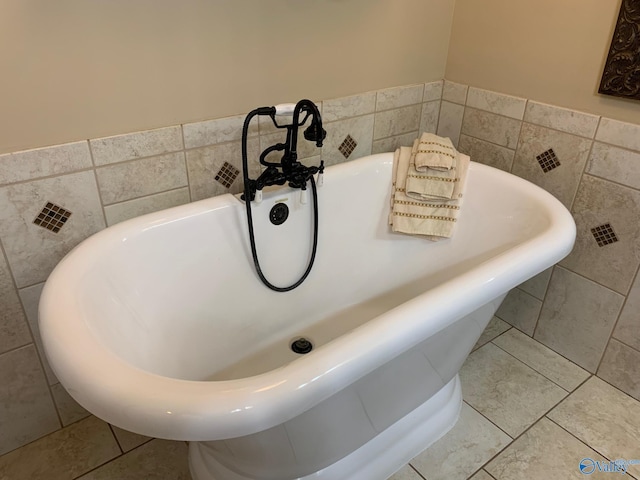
434, 152
432, 206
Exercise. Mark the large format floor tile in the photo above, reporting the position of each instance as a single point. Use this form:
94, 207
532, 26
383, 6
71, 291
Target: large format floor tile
156, 460
505, 390
63, 455
545, 452
462, 451
406, 473
495, 328
542, 359
604, 418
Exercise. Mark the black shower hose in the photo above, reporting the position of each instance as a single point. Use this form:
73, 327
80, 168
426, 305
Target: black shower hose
247, 202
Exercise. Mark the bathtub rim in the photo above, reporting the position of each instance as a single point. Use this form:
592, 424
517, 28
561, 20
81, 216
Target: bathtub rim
201, 411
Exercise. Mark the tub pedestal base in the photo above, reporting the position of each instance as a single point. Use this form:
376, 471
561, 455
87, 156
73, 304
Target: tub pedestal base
377, 459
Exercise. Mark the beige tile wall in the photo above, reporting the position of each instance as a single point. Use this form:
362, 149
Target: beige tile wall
588, 307
104, 181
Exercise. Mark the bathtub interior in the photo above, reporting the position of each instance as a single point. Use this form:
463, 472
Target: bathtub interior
179, 297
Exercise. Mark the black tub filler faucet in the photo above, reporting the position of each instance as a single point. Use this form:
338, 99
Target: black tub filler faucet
288, 170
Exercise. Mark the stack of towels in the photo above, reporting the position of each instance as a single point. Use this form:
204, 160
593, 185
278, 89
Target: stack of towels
428, 186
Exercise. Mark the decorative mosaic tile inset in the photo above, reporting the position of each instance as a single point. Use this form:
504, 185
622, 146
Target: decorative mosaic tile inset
604, 235
52, 217
347, 146
227, 174
548, 160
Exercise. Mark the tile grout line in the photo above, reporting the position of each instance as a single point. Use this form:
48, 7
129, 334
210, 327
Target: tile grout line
589, 174
544, 415
584, 168
416, 471
186, 162
590, 447
591, 280
557, 353
615, 324
97, 184
531, 367
544, 299
39, 356
492, 423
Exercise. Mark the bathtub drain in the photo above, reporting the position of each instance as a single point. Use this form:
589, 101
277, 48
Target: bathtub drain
302, 346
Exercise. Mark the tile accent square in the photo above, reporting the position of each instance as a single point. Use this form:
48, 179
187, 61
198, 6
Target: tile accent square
463, 450
360, 129
204, 163
505, 390
604, 418
347, 146
65, 454
560, 178
604, 234
227, 174
577, 318
542, 359
545, 452
599, 202
52, 217
548, 160
26, 408
32, 252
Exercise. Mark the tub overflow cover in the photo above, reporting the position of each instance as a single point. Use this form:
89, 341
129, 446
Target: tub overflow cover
302, 346
279, 213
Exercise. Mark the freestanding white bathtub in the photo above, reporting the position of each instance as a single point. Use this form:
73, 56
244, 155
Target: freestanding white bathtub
159, 325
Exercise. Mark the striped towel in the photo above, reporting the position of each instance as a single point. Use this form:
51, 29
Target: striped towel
435, 153
425, 204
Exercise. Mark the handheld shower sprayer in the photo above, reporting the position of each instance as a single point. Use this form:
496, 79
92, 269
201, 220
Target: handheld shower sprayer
288, 170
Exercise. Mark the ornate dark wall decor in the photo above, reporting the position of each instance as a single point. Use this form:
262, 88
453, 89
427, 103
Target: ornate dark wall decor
621, 76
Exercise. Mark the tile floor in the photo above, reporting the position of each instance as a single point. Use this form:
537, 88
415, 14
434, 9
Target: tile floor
528, 414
